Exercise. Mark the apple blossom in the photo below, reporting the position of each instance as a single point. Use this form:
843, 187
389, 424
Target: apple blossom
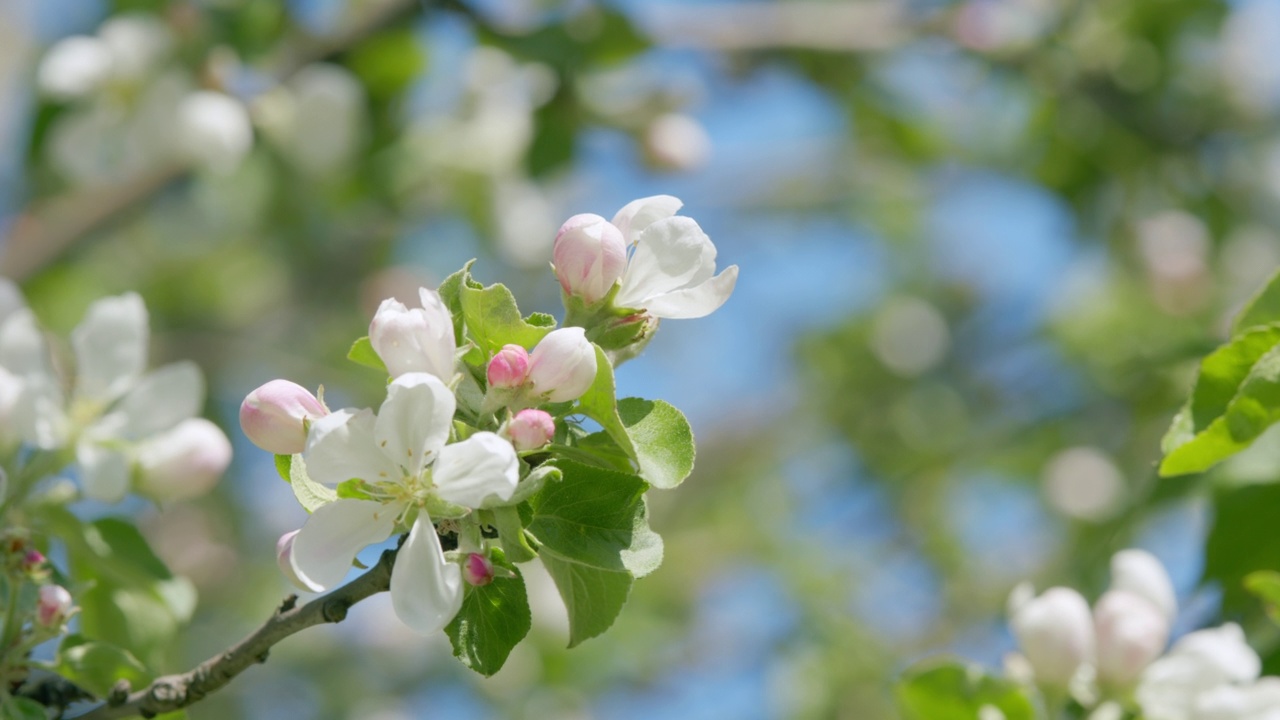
589, 255
53, 606
1197, 664
74, 67
1055, 632
275, 415
1139, 572
1131, 633
415, 340
530, 429
563, 365
184, 461
284, 554
214, 130
402, 455
671, 270
508, 368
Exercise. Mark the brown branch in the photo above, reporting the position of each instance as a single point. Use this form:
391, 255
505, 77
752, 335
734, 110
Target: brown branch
174, 692
43, 231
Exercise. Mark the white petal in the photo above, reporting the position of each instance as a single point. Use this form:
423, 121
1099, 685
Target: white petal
413, 422
164, 397
184, 461
103, 471
695, 302
672, 254
39, 414
11, 299
480, 468
111, 347
1221, 652
23, 350
637, 215
340, 446
325, 546
426, 591
1139, 572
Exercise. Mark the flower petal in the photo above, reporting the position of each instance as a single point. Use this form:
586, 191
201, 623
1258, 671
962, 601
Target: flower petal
111, 347
340, 446
23, 350
164, 397
39, 416
483, 467
414, 421
11, 299
325, 546
637, 215
104, 472
672, 254
695, 302
426, 591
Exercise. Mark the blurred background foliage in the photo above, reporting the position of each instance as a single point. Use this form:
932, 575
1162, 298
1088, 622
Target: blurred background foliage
983, 243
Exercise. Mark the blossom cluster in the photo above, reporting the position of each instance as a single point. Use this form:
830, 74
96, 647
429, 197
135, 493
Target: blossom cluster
482, 410
1116, 657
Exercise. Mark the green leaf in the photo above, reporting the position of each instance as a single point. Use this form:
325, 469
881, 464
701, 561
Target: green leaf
450, 292
119, 552
593, 531
1262, 308
1266, 585
362, 353
96, 666
593, 596
20, 708
950, 690
136, 619
310, 493
1254, 408
387, 63
1222, 372
506, 520
600, 404
282, 466
1242, 541
662, 438
493, 619
494, 320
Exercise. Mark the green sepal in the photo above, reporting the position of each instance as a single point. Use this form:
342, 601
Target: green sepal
283, 463
506, 520
362, 353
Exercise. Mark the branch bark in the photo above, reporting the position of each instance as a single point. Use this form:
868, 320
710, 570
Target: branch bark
174, 692
47, 228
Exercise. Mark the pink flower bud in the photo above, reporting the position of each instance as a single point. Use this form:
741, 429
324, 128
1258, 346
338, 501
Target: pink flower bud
531, 429
563, 365
272, 416
183, 462
590, 255
53, 606
1132, 632
32, 560
477, 570
509, 368
284, 559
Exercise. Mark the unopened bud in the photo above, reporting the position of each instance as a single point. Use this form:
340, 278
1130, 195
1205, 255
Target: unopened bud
1132, 632
32, 561
1140, 573
284, 559
590, 255
563, 365
530, 429
53, 606
1055, 631
477, 570
273, 417
183, 462
509, 368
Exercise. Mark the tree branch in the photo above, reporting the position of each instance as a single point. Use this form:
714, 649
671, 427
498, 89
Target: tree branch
174, 692
43, 231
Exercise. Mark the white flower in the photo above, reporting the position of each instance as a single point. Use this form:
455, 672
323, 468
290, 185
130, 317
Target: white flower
1132, 632
1055, 632
113, 405
1139, 572
214, 130
184, 461
74, 67
401, 452
417, 340
671, 270
1197, 664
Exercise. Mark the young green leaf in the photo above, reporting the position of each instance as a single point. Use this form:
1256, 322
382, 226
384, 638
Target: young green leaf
1262, 308
494, 320
1266, 585
493, 619
362, 353
96, 666
450, 292
600, 404
1222, 372
662, 438
950, 690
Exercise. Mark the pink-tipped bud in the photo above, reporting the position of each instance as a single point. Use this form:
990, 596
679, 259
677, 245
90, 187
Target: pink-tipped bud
184, 461
531, 429
284, 559
272, 416
509, 368
477, 570
32, 561
53, 606
563, 365
590, 255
